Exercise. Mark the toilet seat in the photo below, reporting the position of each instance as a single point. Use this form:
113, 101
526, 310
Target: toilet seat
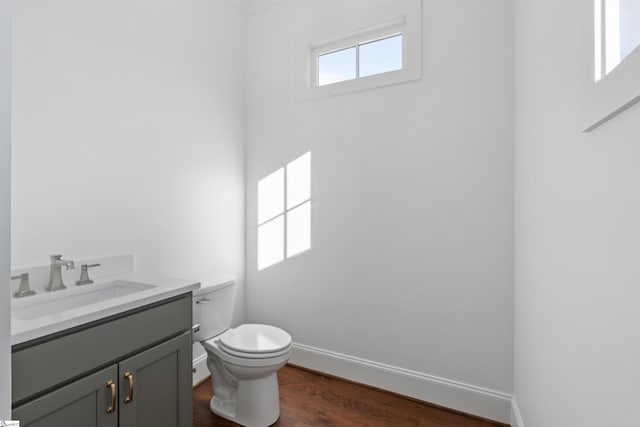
253, 338
253, 341
253, 355
247, 360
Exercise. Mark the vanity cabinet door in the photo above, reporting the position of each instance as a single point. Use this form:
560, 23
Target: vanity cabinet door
84, 402
155, 386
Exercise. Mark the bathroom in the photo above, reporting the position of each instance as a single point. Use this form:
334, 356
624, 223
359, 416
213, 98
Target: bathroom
471, 246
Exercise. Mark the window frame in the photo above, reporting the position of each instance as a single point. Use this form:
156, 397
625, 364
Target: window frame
606, 28
401, 16
614, 92
391, 29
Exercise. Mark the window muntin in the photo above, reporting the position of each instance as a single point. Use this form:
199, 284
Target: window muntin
362, 59
284, 212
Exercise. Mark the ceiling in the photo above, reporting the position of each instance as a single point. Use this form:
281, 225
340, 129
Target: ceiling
254, 6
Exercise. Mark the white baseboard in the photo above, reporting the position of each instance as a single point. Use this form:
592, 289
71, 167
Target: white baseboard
479, 401
516, 417
200, 370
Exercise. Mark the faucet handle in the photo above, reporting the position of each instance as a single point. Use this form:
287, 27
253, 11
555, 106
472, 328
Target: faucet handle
24, 290
84, 274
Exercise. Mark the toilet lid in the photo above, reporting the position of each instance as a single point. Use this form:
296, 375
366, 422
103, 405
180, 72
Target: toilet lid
255, 339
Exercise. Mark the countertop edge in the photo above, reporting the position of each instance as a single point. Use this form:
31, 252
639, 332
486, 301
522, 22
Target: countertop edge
38, 328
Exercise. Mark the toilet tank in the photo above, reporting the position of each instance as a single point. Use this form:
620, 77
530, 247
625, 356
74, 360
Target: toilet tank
213, 306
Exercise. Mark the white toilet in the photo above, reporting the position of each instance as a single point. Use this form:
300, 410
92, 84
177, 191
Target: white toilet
243, 361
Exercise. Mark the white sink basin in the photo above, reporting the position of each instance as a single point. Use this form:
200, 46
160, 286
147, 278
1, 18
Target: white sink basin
60, 301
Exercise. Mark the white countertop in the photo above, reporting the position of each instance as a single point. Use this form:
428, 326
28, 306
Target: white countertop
23, 330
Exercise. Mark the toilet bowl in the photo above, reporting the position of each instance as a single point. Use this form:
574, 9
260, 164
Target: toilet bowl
243, 361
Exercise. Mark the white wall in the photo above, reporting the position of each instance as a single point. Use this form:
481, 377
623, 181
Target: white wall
5, 203
411, 264
577, 232
128, 134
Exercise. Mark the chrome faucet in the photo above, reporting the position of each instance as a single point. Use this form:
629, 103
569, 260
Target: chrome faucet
55, 272
25, 289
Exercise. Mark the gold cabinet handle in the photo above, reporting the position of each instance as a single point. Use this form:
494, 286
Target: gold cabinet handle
129, 376
111, 385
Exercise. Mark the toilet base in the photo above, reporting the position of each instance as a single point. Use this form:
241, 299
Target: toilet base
257, 403
223, 408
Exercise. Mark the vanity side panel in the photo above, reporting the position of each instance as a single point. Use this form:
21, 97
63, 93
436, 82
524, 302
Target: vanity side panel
48, 364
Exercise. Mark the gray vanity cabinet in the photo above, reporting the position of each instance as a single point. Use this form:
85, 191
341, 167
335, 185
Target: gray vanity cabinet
86, 399
159, 377
131, 370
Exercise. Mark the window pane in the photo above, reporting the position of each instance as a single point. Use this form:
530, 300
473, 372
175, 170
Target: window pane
621, 30
271, 196
612, 34
381, 56
299, 229
299, 180
337, 66
629, 26
597, 39
271, 242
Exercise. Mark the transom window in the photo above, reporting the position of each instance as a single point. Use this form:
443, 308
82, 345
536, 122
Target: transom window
284, 212
379, 46
365, 58
617, 33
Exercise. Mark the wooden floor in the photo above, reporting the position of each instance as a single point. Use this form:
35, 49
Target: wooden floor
308, 399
